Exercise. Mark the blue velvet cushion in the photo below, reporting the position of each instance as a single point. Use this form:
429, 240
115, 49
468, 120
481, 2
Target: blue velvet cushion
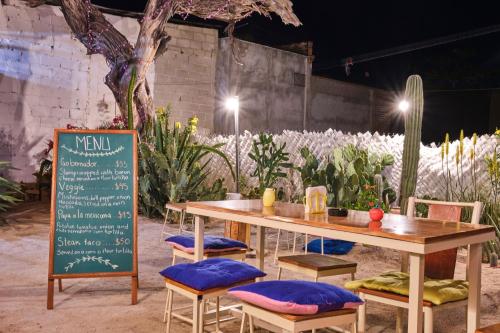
330, 246
212, 273
297, 297
209, 243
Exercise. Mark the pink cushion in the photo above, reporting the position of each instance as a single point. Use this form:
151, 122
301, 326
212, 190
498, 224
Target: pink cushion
274, 305
296, 297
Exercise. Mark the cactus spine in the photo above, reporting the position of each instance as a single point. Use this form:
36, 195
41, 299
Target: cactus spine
414, 94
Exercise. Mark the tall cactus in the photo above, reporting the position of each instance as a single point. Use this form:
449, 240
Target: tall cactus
414, 95
379, 187
130, 99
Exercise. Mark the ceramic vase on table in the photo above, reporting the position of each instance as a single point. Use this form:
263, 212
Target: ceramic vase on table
269, 197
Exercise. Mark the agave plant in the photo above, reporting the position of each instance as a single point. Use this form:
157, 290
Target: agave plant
173, 167
8, 189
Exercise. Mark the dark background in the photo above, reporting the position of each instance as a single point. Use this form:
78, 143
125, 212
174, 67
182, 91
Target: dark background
461, 77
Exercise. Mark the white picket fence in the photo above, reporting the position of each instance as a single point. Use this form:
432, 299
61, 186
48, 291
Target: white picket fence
430, 172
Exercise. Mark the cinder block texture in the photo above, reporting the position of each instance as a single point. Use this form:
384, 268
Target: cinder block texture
185, 74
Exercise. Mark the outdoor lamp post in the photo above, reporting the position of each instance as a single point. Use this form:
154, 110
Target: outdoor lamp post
233, 104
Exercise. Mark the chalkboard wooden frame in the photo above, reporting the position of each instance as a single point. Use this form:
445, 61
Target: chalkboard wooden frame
134, 273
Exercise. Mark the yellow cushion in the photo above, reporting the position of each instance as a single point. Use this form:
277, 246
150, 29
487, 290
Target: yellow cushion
435, 291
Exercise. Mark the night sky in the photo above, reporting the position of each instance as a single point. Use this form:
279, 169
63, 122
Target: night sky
458, 76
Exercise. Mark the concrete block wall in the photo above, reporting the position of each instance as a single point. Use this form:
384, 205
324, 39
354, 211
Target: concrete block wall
270, 83
185, 74
344, 106
263, 79
47, 81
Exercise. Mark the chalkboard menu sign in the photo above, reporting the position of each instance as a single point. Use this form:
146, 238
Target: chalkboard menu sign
94, 206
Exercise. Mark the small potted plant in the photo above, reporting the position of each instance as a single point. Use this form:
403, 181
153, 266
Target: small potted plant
368, 200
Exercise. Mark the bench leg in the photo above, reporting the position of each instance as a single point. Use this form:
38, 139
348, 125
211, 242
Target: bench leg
164, 224
294, 242
181, 221
243, 317
168, 310
59, 283
277, 246
399, 320
217, 314
428, 320
196, 316
250, 322
305, 243
362, 314
279, 274
354, 328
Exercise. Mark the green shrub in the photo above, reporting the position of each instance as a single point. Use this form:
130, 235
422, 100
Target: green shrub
346, 173
271, 163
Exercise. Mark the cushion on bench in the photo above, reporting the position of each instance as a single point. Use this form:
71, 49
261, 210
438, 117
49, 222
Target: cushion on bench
212, 273
435, 291
185, 243
296, 297
330, 246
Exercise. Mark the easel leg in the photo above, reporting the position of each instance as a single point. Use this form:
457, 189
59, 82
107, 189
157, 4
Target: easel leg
135, 282
50, 295
59, 283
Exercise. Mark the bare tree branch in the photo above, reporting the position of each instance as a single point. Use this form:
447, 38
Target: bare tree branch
236, 10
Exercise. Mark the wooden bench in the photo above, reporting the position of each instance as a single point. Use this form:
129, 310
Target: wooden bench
316, 265
296, 323
199, 299
229, 254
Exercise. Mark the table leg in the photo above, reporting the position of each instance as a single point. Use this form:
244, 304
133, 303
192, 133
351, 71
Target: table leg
474, 277
199, 231
415, 318
260, 248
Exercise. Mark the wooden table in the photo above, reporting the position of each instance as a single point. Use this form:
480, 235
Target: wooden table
415, 236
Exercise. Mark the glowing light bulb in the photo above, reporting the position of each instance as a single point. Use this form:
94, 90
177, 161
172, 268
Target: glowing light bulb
403, 106
233, 103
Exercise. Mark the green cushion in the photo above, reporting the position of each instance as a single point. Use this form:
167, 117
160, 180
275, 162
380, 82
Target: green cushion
435, 291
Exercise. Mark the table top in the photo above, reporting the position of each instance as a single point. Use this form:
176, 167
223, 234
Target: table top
393, 226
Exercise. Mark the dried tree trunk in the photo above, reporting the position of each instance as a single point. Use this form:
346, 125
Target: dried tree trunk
100, 37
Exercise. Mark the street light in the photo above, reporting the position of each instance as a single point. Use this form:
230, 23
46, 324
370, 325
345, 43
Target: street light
403, 106
233, 104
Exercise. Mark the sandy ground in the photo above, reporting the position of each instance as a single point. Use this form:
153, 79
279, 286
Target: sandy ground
103, 305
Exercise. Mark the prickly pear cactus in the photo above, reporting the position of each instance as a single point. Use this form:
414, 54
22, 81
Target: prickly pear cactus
414, 94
